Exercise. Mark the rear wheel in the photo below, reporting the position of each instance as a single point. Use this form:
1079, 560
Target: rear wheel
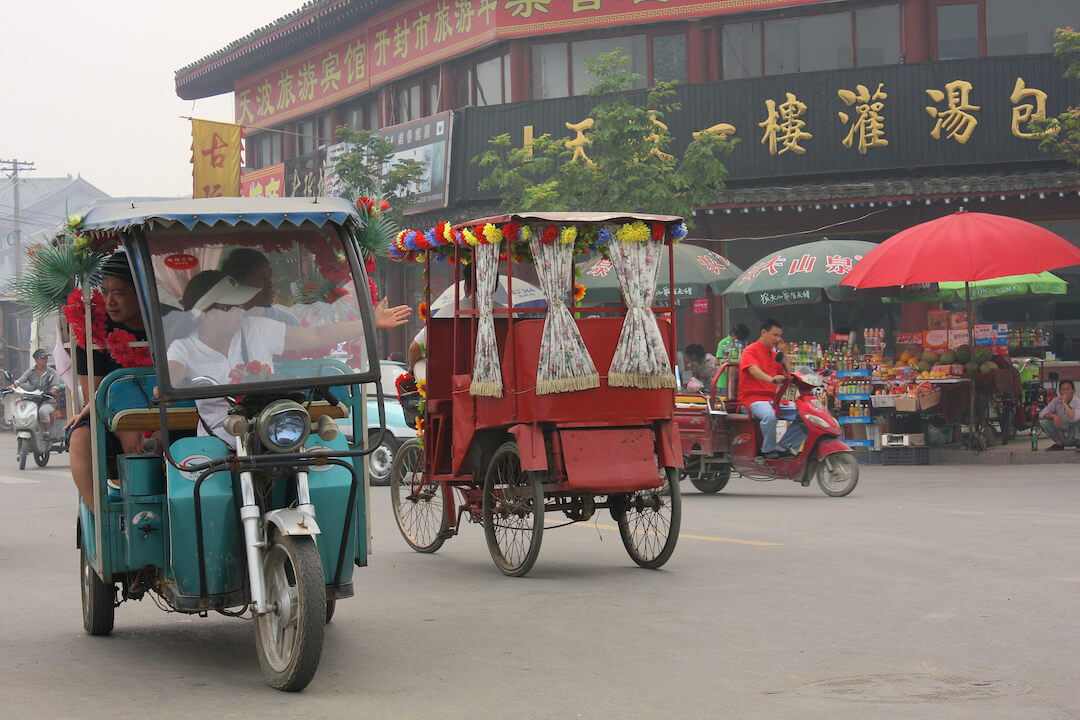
712, 482
98, 598
381, 459
419, 506
289, 638
23, 451
838, 474
649, 522
41, 458
513, 511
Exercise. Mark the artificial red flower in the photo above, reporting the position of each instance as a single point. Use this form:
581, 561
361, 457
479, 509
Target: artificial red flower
579, 292
658, 231
118, 343
365, 203
337, 293
511, 231
369, 265
423, 311
384, 205
550, 235
254, 367
374, 291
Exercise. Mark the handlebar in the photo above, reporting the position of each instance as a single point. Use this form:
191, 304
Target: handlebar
716, 378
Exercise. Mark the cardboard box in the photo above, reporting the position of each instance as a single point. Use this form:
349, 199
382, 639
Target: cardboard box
958, 321
989, 335
937, 320
910, 404
958, 338
906, 440
935, 339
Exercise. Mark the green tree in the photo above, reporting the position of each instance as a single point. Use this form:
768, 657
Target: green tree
368, 169
1061, 135
628, 167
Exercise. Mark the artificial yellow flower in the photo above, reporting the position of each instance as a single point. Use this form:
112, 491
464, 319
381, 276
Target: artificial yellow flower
492, 234
633, 232
568, 235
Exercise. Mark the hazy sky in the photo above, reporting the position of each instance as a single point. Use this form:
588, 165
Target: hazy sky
88, 86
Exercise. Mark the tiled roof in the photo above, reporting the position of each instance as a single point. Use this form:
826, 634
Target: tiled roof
903, 188
314, 22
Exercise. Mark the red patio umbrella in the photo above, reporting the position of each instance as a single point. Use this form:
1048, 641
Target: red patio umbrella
963, 247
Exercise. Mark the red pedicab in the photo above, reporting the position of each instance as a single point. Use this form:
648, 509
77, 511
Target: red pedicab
529, 411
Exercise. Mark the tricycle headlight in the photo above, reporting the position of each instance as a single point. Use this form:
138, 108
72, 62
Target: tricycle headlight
283, 426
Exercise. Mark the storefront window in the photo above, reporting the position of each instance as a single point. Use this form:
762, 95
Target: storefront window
740, 53
782, 46
957, 31
825, 42
633, 46
550, 71
1014, 28
669, 58
363, 115
489, 82
877, 35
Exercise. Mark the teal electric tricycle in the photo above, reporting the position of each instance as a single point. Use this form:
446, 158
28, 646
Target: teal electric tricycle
246, 499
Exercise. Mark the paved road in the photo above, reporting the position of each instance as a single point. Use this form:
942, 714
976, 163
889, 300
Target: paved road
928, 593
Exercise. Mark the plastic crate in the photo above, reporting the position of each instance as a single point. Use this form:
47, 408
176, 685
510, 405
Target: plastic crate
905, 456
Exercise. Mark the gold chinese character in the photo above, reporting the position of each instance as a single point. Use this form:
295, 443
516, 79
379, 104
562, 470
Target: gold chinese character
255, 190
286, 97
580, 141
308, 81
382, 41
789, 132
1022, 114
401, 40
583, 5
331, 73
463, 15
525, 8
419, 27
722, 129
957, 119
869, 123
443, 31
243, 107
264, 106
654, 137
487, 10
356, 61
273, 188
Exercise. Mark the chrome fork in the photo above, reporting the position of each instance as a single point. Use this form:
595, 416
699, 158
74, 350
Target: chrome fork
254, 543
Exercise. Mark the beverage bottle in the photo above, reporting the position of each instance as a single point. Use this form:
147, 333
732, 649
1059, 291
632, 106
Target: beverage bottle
1034, 439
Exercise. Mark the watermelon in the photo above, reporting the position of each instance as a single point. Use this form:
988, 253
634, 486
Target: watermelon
929, 356
963, 353
948, 357
923, 366
982, 355
988, 366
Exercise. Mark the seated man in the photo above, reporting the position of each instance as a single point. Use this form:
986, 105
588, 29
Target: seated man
761, 369
121, 311
44, 378
1060, 419
700, 365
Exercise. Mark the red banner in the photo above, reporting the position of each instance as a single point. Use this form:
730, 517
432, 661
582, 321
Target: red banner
422, 33
265, 182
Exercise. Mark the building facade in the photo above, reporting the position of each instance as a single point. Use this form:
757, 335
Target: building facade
854, 117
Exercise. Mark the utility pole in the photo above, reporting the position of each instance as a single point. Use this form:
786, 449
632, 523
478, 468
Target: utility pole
13, 167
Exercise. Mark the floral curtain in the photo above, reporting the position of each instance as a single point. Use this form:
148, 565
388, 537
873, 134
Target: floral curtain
487, 372
640, 359
565, 364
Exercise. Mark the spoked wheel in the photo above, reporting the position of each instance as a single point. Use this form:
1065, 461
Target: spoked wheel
649, 522
419, 506
98, 598
513, 510
289, 638
712, 482
24, 450
381, 459
838, 474
41, 458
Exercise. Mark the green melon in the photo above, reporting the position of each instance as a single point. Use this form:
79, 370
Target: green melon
963, 353
924, 366
982, 355
968, 368
988, 366
948, 357
929, 356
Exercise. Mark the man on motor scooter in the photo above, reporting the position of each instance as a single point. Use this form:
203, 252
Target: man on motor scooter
44, 378
761, 369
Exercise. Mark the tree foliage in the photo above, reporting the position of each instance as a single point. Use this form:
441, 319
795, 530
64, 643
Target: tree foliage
1061, 135
367, 169
628, 168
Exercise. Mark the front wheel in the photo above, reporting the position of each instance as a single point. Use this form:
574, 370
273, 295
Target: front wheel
381, 459
712, 482
289, 638
649, 522
419, 505
838, 474
513, 511
41, 458
98, 598
23, 451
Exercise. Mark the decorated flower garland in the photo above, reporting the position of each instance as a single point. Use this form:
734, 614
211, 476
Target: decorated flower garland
444, 242
116, 343
244, 372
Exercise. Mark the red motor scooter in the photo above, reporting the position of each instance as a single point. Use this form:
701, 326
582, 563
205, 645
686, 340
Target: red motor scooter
715, 441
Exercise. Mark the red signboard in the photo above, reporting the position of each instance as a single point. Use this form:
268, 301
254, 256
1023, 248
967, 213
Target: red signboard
418, 34
181, 261
266, 182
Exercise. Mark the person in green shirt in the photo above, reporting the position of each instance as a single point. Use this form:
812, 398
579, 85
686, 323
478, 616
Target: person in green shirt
739, 334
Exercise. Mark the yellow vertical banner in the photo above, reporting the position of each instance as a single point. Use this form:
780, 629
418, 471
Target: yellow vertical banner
215, 157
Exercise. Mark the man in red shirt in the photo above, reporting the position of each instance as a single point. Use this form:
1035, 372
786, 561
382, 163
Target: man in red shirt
761, 368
